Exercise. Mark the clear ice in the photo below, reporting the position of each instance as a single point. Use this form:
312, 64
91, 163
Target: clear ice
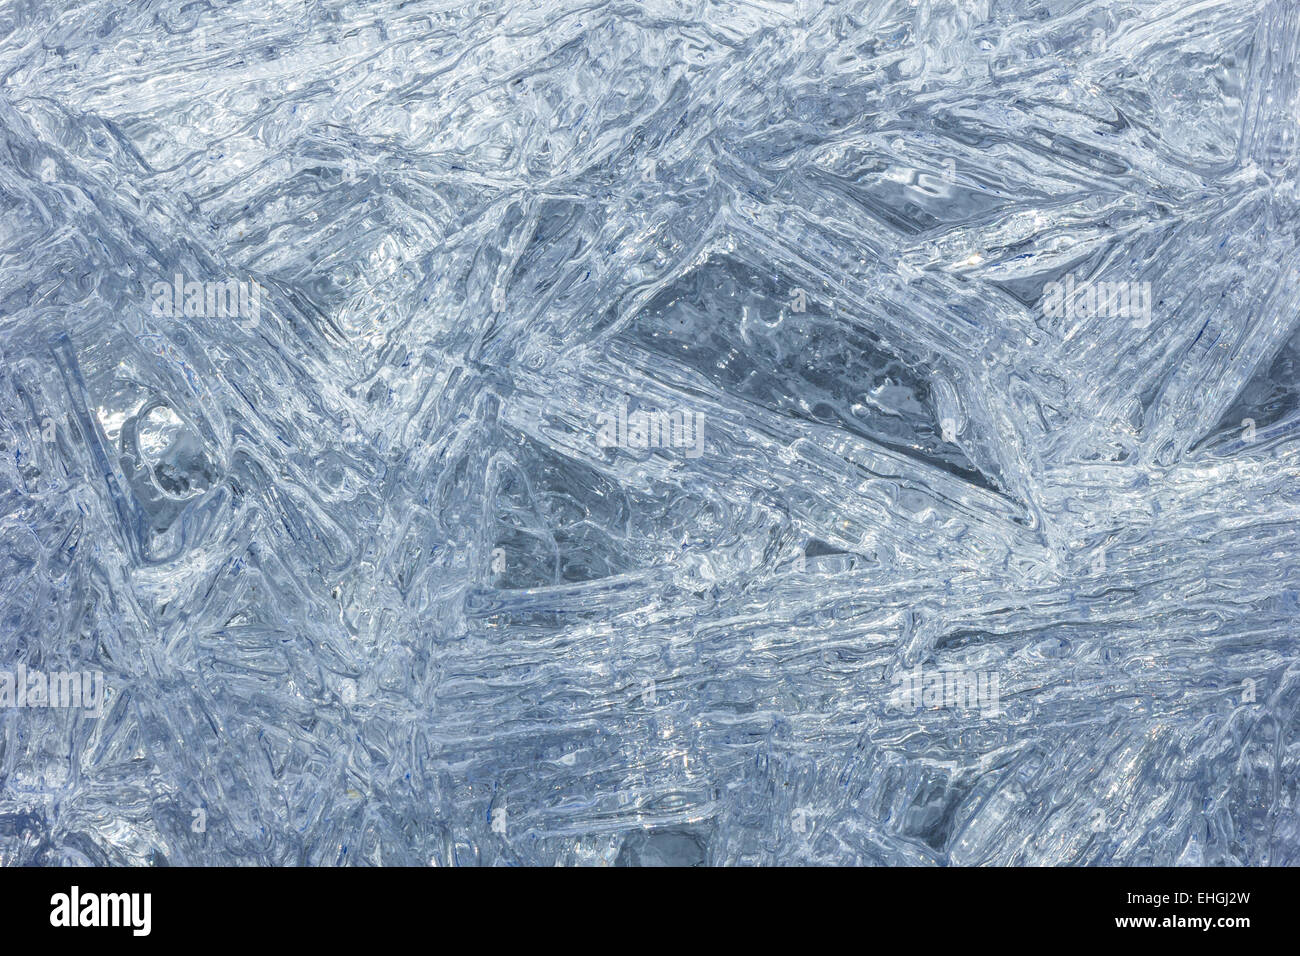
615, 433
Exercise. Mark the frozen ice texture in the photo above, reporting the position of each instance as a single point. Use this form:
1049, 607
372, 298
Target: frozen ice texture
633, 407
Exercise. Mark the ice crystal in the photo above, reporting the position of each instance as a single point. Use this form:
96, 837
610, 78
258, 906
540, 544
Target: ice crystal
857, 432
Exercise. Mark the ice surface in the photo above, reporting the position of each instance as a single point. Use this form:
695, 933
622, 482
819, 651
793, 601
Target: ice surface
374, 563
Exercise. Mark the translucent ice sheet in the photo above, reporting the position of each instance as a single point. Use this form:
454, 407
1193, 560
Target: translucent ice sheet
617, 433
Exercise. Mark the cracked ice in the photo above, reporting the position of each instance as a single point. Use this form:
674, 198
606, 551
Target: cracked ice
856, 432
